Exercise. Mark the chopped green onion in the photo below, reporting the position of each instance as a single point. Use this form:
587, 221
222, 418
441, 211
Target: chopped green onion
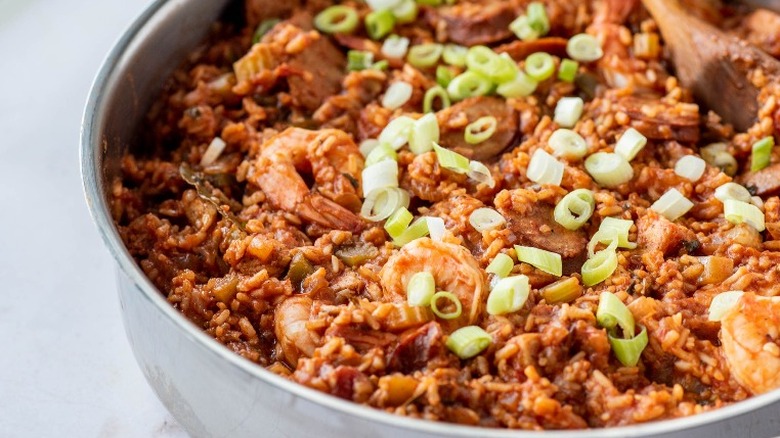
467, 342
380, 175
436, 228
397, 132
607, 236
336, 19
612, 313
379, 23
418, 229
398, 222
599, 267
717, 155
738, 212
568, 111
608, 169
537, 17
431, 95
628, 351
381, 65
395, 46
382, 152
574, 210
263, 29
539, 66
481, 174
732, 190
501, 265
368, 145
584, 48
380, 5
469, 84
690, 167
630, 143
622, 227
455, 55
672, 205
520, 86
508, 295
430, 2
545, 169
420, 289
397, 94
480, 130
424, 55
406, 11
546, 261
761, 153
567, 71
449, 297
383, 202
486, 219
484, 61
567, 144
451, 160
444, 75
523, 29
562, 291
722, 303
425, 133
359, 60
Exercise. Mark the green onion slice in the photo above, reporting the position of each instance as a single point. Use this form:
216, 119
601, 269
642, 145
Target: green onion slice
722, 303
448, 296
263, 29
608, 169
717, 155
469, 84
398, 222
612, 313
599, 267
605, 236
467, 342
539, 66
574, 210
567, 144
418, 229
381, 152
567, 71
455, 55
425, 132
481, 174
486, 219
562, 291
622, 227
431, 95
359, 60
738, 212
336, 19
397, 132
508, 295
732, 190
368, 145
501, 265
436, 228
544, 168
420, 289
520, 86
523, 29
379, 23
761, 153
406, 11
630, 143
424, 55
628, 351
451, 160
397, 94
395, 46
584, 48
484, 61
383, 202
444, 75
480, 130
380, 175
537, 17
568, 111
546, 261
690, 167
672, 205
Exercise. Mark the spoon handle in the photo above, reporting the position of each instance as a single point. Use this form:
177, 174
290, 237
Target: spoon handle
772, 5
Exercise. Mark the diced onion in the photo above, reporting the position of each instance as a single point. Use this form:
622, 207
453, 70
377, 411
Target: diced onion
732, 190
761, 153
545, 169
418, 229
381, 153
567, 144
455, 55
336, 19
431, 95
508, 295
630, 143
568, 111
690, 167
584, 48
520, 86
213, 151
420, 289
574, 210
424, 55
546, 261
539, 66
722, 303
717, 155
467, 342
501, 265
672, 205
486, 219
379, 5
436, 228
628, 351
567, 71
608, 169
395, 46
396, 95
397, 132
368, 145
738, 212
562, 291
469, 84
481, 174
451, 160
380, 175
599, 267
612, 313
398, 222
449, 297
406, 11
383, 202
480, 130
425, 133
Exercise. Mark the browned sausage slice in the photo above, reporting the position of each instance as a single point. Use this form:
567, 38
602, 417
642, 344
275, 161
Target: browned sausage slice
471, 24
766, 181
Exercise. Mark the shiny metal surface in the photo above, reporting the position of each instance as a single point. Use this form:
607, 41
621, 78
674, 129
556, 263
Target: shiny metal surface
211, 391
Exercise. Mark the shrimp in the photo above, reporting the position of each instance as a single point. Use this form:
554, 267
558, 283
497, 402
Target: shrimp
335, 162
454, 270
750, 334
294, 338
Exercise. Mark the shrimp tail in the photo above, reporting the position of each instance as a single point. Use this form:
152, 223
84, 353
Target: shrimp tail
321, 210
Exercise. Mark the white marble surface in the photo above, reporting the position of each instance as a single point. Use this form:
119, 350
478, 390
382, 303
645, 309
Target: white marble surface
66, 369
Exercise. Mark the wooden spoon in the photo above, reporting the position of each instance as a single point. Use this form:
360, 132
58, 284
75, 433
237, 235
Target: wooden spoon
716, 66
772, 5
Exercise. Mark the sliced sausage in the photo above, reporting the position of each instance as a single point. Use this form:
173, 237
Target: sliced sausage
453, 121
659, 120
766, 182
416, 347
472, 24
317, 74
519, 49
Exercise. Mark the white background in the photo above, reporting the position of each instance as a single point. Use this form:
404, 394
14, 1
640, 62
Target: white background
66, 369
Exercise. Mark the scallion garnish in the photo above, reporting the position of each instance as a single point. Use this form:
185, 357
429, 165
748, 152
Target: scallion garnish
380, 153
486, 219
424, 55
447, 296
738, 212
480, 130
630, 143
562, 291
543, 260
425, 132
761, 153
574, 210
469, 84
379, 23
455, 55
567, 144
539, 66
544, 168
398, 222
359, 60
336, 19
444, 75
608, 169
431, 95
722, 303
568, 111
508, 295
567, 71
395, 46
628, 351
584, 48
420, 289
732, 190
672, 205
467, 342
690, 167
418, 229
501, 265
397, 94
451, 160
383, 202
406, 11
599, 267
